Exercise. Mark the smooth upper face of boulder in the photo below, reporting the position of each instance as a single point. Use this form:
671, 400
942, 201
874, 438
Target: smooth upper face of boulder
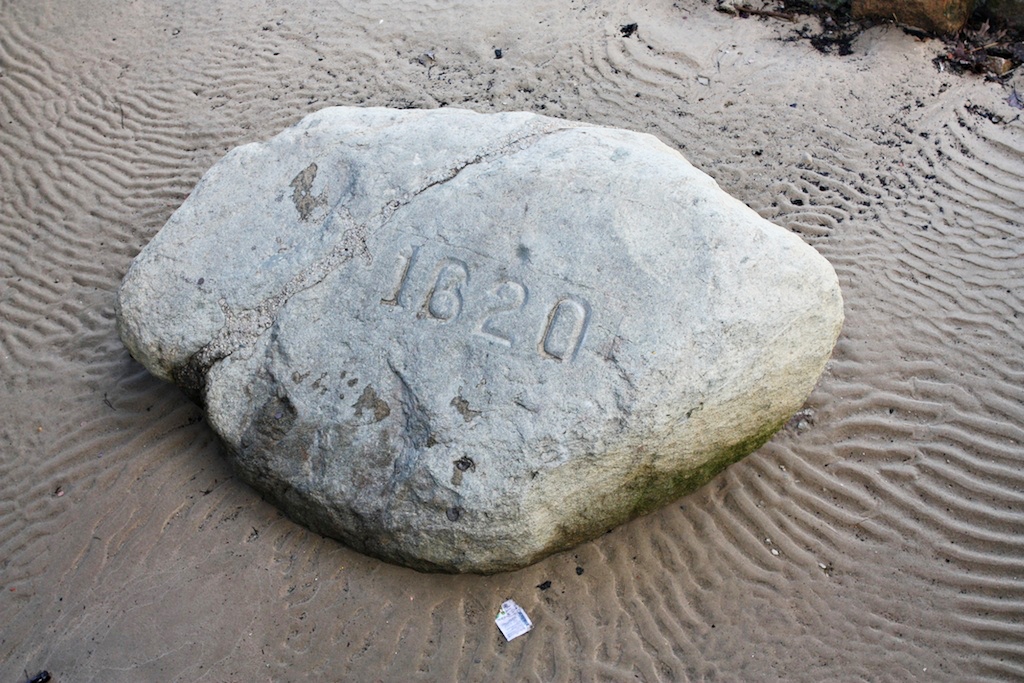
462, 342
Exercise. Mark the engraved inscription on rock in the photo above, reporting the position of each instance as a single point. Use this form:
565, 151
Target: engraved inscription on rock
462, 342
499, 310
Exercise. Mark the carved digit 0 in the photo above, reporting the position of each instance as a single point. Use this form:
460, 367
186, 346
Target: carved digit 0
511, 297
444, 301
566, 327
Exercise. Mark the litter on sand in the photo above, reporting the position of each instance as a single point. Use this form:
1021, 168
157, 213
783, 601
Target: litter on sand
512, 620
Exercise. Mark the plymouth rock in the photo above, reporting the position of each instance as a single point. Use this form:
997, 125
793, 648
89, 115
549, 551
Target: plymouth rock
461, 342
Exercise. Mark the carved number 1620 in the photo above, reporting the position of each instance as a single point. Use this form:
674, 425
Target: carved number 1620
562, 332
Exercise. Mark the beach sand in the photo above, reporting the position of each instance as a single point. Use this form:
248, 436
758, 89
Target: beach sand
877, 537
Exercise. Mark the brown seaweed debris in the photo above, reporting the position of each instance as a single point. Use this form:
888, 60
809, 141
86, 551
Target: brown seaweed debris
982, 46
838, 28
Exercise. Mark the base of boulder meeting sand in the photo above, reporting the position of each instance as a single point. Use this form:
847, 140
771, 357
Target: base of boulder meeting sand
938, 16
462, 342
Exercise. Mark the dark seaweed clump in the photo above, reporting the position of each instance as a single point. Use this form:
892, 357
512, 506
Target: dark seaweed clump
984, 46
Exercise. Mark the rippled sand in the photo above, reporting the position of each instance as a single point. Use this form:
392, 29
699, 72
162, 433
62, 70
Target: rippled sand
877, 537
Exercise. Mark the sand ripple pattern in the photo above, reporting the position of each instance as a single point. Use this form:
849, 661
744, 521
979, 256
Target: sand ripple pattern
877, 537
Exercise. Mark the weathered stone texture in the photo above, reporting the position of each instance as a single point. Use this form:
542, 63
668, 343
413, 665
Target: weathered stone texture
938, 16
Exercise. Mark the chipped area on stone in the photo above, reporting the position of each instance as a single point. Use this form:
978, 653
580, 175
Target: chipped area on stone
462, 342
305, 202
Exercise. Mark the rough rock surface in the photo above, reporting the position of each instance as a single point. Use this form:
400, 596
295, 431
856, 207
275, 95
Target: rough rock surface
1010, 11
938, 16
461, 342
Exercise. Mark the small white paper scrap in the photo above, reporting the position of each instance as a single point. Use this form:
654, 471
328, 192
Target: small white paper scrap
512, 620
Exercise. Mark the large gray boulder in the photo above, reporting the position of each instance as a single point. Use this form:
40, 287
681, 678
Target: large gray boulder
461, 342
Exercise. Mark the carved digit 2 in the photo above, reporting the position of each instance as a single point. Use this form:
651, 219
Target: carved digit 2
444, 301
511, 298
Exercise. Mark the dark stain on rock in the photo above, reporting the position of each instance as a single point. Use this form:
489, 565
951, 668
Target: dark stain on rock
453, 513
463, 464
271, 423
369, 401
318, 384
415, 433
302, 193
190, 376
523, 252
462, 405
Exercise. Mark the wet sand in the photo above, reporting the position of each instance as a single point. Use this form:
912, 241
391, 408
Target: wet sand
877, 537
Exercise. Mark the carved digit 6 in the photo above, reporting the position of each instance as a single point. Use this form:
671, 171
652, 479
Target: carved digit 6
511, 297
444, 301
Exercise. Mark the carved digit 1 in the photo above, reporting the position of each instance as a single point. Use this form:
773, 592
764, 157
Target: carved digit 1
444, 301
406, 263
511, 297
565, 329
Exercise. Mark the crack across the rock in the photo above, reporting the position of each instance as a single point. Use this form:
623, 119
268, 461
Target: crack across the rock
245, 326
